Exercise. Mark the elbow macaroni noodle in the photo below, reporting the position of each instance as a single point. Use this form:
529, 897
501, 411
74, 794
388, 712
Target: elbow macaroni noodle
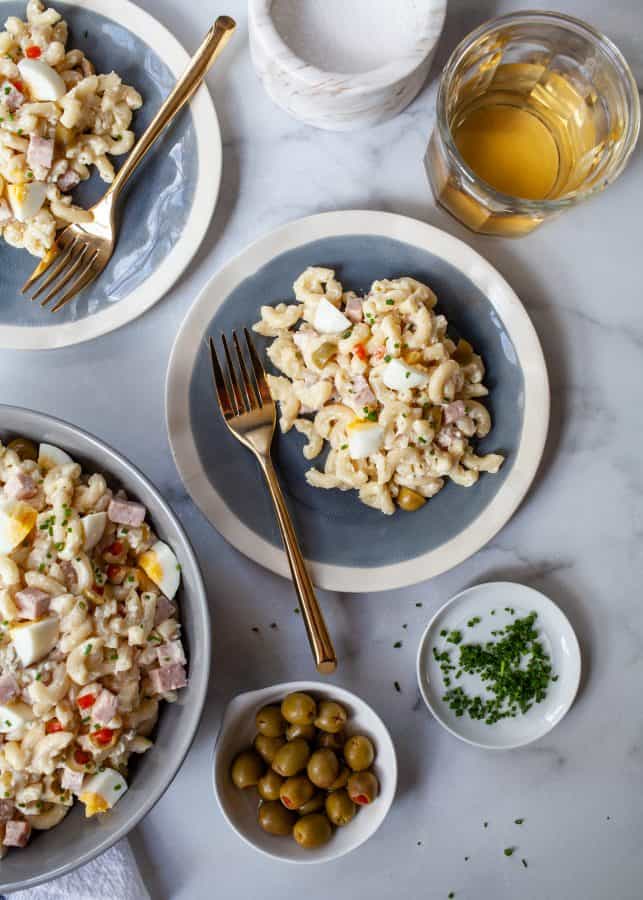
87, 125
112, 624
334, 384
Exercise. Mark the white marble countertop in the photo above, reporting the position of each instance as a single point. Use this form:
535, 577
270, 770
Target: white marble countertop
577, 537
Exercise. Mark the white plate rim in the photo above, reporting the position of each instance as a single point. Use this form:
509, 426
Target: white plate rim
208, 138
545, 601
349, 579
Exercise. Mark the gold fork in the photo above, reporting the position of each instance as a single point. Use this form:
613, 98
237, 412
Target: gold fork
83, 250
249, 412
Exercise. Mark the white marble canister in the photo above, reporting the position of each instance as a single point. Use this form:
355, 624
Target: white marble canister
344, 64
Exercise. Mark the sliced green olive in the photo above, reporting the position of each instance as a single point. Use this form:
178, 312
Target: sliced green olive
463, 353
25, 448
323, 354
409, 500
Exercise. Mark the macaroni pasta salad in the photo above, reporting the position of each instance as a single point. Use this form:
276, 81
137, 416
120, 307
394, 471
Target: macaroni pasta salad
58, 118
377, 380
89, 638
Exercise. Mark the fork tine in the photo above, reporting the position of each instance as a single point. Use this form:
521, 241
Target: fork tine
67, 275
62, 242
257, 368
252, 399
232, 376
55, 270
87, 275
219, 382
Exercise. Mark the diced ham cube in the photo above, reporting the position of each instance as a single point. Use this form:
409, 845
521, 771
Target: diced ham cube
9, 688
169, 678
5, 212
68, 180
105, 707
40, 154
362, 394
126, 512
20, 486
71, 780
32, 603
353, 309
7, 809
164, 610
10, 95
16, 833
170, 652
454, 411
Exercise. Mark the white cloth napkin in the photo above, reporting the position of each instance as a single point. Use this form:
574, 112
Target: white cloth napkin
113, 874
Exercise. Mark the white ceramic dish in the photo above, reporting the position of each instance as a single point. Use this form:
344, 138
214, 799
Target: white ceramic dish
349, 547
342, 100
169, 203
557, 637
240, 807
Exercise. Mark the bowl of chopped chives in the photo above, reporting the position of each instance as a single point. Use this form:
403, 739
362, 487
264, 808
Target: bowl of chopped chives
499, 665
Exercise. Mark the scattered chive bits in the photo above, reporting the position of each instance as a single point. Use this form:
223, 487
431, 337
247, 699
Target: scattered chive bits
396, 685
524, 862
514, 669
397, 645
509, 851
518, 821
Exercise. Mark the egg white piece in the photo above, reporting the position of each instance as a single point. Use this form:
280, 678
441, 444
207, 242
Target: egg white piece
14, 716
26, 199
93, 528
161, 565
43, 81
364, 438
329, 320
399, 376
17, 519
50, 456
102, 791
33, 640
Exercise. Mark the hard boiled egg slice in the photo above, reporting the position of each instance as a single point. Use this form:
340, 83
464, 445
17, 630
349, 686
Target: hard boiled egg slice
364, 438
14, 715
16, 521
93, 528
33, 640
26, 199
44, 83
50, 456
399, 376
161, 565
102, 791
329, 320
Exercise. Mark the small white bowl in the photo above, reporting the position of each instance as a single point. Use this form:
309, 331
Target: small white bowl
556, 635
240, 807
341, 101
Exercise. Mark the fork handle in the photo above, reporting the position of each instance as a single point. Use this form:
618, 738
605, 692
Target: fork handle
320, 642
212, 45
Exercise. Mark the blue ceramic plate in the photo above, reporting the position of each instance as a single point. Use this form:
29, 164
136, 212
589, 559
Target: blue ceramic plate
168, 204
349, 546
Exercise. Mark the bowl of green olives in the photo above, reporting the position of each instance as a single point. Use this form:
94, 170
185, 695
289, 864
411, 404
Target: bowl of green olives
304, 772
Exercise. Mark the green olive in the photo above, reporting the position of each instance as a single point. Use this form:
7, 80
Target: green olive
315, 804
299, 709
247, 768
359, 753
274, 818
25, 448
291, 758
267, 747
296, 791
332, 741
340, 809
463, 353
270, 722
409, 500
363, 788
312, 831
323, 767
269, 785
341, 780
323, 354
330, 716
307, 732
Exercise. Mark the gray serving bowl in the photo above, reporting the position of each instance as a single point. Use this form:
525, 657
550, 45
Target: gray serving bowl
76, 839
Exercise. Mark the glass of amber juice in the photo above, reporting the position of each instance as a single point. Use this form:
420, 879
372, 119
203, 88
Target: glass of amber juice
536, 111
